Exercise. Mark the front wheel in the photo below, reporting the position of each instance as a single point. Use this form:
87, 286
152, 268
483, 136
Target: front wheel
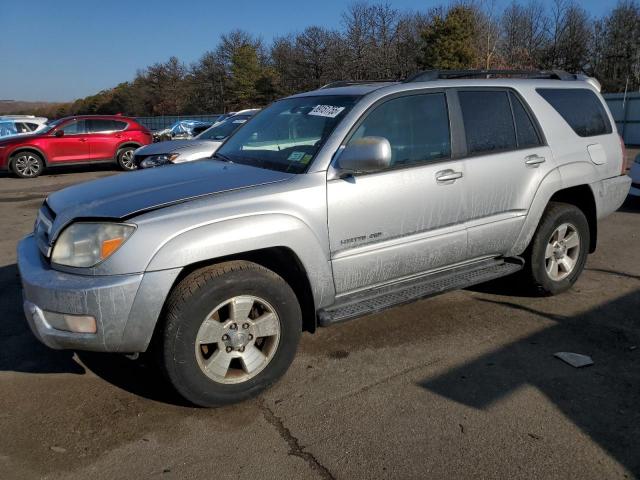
27, 164
558, 252
230, 331
125, 159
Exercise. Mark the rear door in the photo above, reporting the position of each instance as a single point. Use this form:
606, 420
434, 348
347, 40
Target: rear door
104, 136
72, 146
507, 159
405, 220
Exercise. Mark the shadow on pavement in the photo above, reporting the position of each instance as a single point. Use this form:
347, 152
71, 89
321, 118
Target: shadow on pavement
20, 351
602, 400
630, 205
70, 169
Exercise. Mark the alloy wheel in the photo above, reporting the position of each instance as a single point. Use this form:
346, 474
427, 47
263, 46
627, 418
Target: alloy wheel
562, 252
238, 339
27, 165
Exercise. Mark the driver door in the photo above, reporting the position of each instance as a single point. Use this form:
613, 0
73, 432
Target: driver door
408, 219
72, 146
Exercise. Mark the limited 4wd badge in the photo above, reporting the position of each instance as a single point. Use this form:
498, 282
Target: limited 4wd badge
326, 111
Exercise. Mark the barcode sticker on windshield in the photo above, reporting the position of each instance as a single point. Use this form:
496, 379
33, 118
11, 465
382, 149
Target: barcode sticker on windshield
326, 111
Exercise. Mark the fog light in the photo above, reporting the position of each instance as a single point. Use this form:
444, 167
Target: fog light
71, 323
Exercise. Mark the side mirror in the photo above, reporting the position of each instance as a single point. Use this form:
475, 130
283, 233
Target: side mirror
59, 133
366, 155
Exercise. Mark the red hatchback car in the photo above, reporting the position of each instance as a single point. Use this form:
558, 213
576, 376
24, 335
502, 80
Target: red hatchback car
74, 140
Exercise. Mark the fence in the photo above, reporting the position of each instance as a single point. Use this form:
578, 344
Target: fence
165, 121
626, 112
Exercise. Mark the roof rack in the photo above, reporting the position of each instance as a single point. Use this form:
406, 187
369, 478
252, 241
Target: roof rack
348, 83
431, 75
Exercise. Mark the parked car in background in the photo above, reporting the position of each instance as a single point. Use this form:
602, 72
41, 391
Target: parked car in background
74, 140
180, 151
634, 173
328, 205
182, 129
20, 124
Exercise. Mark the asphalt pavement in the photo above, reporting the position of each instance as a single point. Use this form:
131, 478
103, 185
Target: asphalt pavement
464, 385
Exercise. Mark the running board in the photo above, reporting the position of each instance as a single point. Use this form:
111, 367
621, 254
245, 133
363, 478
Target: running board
407, 291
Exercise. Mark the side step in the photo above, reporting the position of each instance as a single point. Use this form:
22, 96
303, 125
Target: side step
383, 297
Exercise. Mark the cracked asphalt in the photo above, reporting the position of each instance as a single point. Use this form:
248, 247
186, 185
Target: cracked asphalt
463, 385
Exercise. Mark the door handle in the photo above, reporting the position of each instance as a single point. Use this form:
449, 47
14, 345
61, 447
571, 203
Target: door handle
533, 160
82, 139
447, 176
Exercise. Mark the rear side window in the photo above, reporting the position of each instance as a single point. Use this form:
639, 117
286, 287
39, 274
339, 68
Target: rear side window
526, 132
99, 125
488, 122
580, 108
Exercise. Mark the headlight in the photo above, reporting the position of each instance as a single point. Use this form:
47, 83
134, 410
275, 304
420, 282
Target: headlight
87, 244
158, 160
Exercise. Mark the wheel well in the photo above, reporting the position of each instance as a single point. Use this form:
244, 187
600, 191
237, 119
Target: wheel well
582, 197
128, 144
282, 261
26, 149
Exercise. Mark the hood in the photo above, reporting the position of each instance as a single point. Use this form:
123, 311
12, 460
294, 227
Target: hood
7, 140
173, 146
135, 192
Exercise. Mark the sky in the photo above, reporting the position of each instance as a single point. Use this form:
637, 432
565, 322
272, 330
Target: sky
63, 50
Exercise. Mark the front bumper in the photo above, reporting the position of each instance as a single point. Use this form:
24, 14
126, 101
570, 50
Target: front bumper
125, 307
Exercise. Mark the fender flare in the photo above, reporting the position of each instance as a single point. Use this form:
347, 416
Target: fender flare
242, 235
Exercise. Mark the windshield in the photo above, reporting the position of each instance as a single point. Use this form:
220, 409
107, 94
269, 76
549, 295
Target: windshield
287, 135
50, 126
224, 129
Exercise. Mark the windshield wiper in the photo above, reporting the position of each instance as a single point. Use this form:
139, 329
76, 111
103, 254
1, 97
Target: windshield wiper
222, 157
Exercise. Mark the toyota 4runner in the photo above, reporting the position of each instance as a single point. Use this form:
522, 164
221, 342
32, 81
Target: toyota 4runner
327, 205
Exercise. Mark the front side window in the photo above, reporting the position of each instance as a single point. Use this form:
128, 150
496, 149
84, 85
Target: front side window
417, 127
488, 122
74, 128
287, 135
580, 108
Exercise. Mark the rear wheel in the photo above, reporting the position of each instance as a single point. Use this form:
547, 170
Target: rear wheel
125, 158
27, 164
230, 331
558, 252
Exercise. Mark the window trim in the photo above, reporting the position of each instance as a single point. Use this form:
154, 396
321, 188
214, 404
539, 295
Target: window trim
527, 109
408, 93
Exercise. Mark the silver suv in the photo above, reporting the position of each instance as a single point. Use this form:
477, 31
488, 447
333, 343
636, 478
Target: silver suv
326, 206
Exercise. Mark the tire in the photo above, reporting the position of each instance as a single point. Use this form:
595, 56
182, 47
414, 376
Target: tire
200, 313
27, 164
545, 250
125, 159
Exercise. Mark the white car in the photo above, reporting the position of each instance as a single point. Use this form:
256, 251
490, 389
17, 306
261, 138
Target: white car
20, 124
202, 146
634, 173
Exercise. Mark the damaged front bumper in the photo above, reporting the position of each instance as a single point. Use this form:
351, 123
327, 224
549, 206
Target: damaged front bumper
125, 307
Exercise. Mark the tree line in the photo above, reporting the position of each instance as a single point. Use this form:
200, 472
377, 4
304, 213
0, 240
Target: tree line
377, 41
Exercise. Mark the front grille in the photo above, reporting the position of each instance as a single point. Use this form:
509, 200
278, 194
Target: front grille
42, 228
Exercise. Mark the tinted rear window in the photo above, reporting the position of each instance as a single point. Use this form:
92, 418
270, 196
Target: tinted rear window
488, 122
580, 108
